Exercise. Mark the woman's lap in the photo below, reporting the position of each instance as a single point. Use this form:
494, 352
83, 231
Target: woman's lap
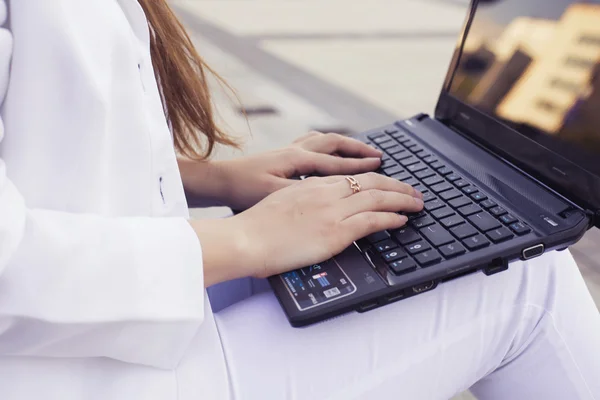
535, 325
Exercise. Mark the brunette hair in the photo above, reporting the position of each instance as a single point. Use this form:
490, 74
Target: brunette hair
182, 77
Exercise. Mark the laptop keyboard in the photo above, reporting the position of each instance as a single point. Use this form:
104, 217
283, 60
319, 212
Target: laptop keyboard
457, 217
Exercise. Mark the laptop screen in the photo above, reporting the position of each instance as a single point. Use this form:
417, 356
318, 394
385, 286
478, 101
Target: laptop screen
534, 66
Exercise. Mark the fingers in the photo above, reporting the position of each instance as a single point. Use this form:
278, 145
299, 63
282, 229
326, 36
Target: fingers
377, 181
325, 164
332, 143
363, 224
379, 200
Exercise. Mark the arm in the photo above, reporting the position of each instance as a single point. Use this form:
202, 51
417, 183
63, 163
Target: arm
75, 285
203, 182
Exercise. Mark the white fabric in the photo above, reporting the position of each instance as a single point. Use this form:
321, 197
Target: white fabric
532, 332
99, 297
101, 288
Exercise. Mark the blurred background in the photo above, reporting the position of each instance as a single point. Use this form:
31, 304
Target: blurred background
349, 65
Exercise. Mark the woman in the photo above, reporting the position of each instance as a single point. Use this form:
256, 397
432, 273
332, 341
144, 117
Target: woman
103, 277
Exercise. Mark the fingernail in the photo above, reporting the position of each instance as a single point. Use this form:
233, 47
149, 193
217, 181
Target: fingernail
418, 201
404, 219
418, 194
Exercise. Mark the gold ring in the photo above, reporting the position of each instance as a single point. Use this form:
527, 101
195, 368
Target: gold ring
354, 185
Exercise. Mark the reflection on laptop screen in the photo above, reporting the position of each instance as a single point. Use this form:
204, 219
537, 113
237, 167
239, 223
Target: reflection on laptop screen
535, 65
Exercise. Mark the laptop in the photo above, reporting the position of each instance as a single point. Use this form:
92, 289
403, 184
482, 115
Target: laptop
509, 164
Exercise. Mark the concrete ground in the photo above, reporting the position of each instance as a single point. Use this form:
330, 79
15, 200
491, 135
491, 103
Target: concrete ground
331, 65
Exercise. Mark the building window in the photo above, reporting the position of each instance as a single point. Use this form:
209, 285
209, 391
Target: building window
546, 105
580, 62
559, 83
590, 40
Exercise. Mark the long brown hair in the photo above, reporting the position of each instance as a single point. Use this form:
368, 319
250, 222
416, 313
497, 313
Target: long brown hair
182, 76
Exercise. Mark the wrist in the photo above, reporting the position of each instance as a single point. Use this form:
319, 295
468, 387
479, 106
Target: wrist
204, 183
226, 250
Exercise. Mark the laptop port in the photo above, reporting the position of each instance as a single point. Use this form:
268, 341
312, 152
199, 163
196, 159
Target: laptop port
395, 297
423, 287
497, 265
368, 306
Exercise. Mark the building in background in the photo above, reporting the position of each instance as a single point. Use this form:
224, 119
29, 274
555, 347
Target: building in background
559, 82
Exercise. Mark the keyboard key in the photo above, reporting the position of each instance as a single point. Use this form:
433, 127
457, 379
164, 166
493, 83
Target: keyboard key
487, 204
445, 171
395, 149
469, 210
423, 154
427, 196
403, 266
418, 247
401, 155
508, 219
381, 138
422, 222
385, 157
385, 245
498, 211
393, 255
416, 167
378, 236
409, 143
416, 215
398, 135
433, 180
434, 205
469, 189
437, 235
459, 202
450, 194
389, 131
476, 242
401, 176
410, 181
479, 196
452, 221
463, 231
372, 136
452, 250
441, 187
426, 173
461, 183
430, 159
484, 221
389, 171
437, 165
416, 149
453, 177
387, 145
499, 235
442, 212
405, 140
428, 258
409, 161
418, 186
520, 228
387, 163
406, 235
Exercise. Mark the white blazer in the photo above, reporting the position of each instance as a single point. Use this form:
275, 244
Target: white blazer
101, 282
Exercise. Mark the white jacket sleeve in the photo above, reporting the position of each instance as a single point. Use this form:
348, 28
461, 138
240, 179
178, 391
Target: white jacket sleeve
75, 285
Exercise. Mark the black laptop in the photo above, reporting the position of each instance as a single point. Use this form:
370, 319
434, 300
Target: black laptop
509, 165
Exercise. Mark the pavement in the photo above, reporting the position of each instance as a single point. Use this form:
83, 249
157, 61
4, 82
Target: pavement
331, 65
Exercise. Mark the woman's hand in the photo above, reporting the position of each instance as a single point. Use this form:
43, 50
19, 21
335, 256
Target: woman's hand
305, 223
245, 181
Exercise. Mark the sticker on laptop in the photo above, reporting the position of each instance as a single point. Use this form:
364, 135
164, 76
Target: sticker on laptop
317, 284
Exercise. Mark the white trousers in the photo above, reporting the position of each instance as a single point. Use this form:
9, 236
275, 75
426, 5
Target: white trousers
532, 332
